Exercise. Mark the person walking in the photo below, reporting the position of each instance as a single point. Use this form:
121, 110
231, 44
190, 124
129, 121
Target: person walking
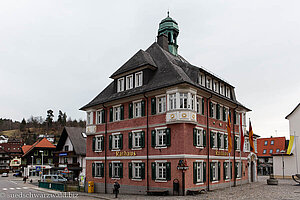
116, 188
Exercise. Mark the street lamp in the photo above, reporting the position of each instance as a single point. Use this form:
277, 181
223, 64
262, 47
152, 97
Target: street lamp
42, 160
282, 152
31, 165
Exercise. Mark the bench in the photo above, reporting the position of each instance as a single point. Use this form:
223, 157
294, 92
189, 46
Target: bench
296, 178
158, 192
194, 192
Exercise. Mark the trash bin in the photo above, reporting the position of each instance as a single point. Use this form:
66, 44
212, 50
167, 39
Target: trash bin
91, 187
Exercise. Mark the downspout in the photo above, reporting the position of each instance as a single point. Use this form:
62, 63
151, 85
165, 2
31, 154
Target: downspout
105, 149
234, 184
147, 130
208, 142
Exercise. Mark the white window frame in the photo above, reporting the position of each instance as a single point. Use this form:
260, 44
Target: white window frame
136, 135
136, 169
90, 117
215, 139
161, 132
199, 170
98, 165
129, 82
138, 79
222, 88
117, 113
222, 140
183, 100
238, 145
161, 104
201, 79
120, 84
227, 171
226, 145
209, 82
216, 86
215, 171
161, 167
228, 90
238, 174
198, 104
199, 137
214, 108
246, 145
99, 116
172, 101
116, 174
116, 141
137, 109
98, 142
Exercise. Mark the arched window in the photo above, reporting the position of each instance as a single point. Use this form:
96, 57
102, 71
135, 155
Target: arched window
169, 37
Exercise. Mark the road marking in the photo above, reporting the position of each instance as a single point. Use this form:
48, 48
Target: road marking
18, 188
25, 187
13, 182
11, 188
4, 188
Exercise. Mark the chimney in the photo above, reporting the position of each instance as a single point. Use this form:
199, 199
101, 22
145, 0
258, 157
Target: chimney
162, 41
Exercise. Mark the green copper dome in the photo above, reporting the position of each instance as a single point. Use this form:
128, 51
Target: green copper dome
169, 28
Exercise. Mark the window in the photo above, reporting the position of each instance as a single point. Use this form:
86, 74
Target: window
117, 113
228, 92
36, 153
183, 100
117, 170
266, 143
272, 142
199, 171
161, 104
138, 79
221, 89
116, 141
216, 88
264, 151
199, 137
137, 139
161, 171
215, 171
237, 145
271, 150
137, 109
67, 148
221, 141
277, 150
90, 118
120, 85
212, 110
137, 170
38, 161
198, 104
201, 79
238, 169
225, 141
208, 83
172, 103
227, 173
98, 169
100, 116
161, 137
99, 143
247, 145
213, 139
129, 82
66, 160
192, 102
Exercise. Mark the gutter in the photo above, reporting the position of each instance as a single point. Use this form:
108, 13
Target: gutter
147, 132
105, 149
208, 143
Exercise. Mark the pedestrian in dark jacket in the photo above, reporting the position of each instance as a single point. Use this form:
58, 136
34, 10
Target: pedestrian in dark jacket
116, 188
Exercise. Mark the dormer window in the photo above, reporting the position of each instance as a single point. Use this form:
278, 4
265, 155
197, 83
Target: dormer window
221, 89
129, 82
90, 118
228, 92
120, 84
138, 79
216, 86
208, 83
201, 79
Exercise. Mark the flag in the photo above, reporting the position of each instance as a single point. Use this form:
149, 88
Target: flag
291, 145
242, 134
229, 135
251, 137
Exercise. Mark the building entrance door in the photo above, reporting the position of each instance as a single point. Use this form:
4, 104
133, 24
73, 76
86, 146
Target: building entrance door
252, 171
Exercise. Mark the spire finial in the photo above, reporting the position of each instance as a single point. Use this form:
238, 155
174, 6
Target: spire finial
168, 12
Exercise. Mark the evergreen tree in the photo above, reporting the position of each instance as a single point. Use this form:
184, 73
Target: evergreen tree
23, 125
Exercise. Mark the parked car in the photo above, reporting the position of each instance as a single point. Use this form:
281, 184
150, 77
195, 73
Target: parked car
5, 175
53, 178
18, 174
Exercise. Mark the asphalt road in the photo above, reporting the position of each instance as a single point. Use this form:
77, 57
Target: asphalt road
14, 188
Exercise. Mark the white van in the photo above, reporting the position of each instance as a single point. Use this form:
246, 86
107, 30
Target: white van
53, 178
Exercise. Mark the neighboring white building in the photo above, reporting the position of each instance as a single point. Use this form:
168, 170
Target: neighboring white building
290, 162
71, 151
3, 139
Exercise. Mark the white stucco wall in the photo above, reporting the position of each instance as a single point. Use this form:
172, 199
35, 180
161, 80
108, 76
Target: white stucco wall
68, 143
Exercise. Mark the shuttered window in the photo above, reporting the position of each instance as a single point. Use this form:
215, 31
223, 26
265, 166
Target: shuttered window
161, 170
161, 137
199, 172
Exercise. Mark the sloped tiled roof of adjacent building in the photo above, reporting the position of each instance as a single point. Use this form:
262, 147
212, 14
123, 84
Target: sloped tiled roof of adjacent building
42, 143
170, 70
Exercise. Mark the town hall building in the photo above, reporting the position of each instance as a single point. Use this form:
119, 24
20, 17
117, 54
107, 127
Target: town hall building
163, 120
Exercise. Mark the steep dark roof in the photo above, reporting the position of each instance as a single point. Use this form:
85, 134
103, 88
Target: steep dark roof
292, 111
171, 70
76, 138
141, 58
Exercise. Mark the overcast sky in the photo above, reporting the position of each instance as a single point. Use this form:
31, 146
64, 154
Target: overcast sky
59, 54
